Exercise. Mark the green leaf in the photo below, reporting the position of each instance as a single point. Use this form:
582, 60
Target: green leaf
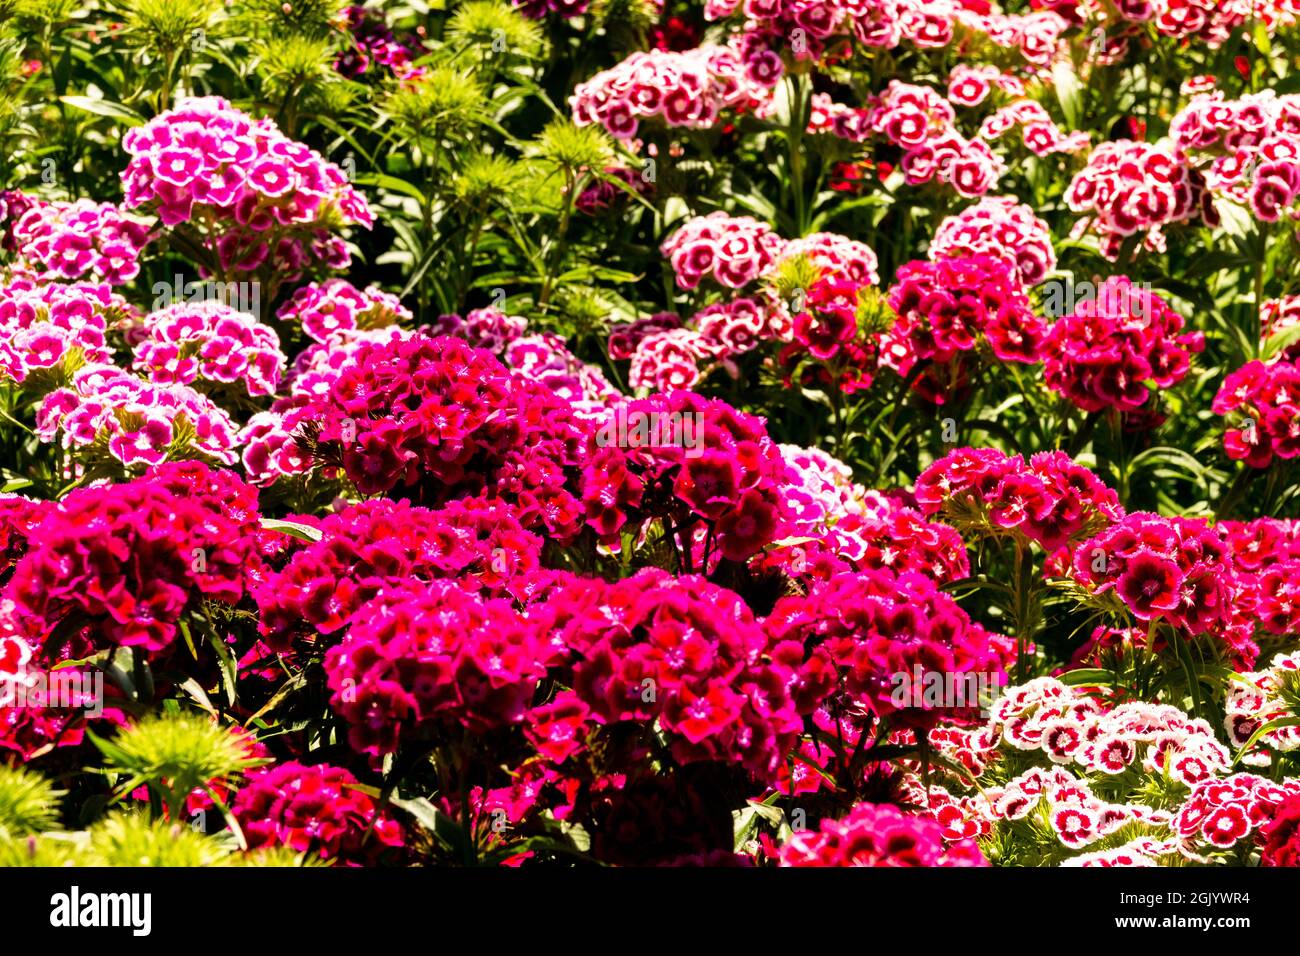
1268, 728
229, 667
104, 108
1069, 92
304, 531
1087, 676
443, 828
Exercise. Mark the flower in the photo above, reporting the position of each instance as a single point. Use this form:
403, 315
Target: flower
316, 810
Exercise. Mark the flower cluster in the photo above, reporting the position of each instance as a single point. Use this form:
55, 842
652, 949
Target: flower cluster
377, 544
1083, 769
870, 626
375, 49
840, 256
1176, 570
999, 227
316, 810
437, 419
51, 330
1263, 401
1259, 699
878, 835
323, 309
686, 459
14, 204
121, 417
1103, 354
1052, 500
425, 655
972, 85
678, 651
80, 240
863, 530
488, 328
209, 341
546, 359
121, 564
732, 250
1253, 145
1134, 189
690, 89
828, 330
270, 201
920, 122
1038, 132
946, 308
1223, 815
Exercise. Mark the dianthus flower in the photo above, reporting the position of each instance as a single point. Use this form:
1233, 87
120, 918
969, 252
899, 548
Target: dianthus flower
1134, 189
51, 330
1177, 570
876, 625
374, 47
678, 651
1259, 698
489, 328
127, 561
428, 656
107, 410
1002, 228
212, 343
379, 543
690, 89
1051, 500
436, 419
946, 308
1222, 814
1103, 353
733, 250
335, 305
314, 810
684, 459
1282, 835
276, 201
1263, 401
80, 240
878, 835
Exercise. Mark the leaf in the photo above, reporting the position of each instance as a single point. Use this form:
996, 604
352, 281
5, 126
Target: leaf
1279, 341
1087, 676
104, 108
1268, 728
229, 667
1069, 91
304, 531
287, 688
392, 184
200, 696
443, 828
